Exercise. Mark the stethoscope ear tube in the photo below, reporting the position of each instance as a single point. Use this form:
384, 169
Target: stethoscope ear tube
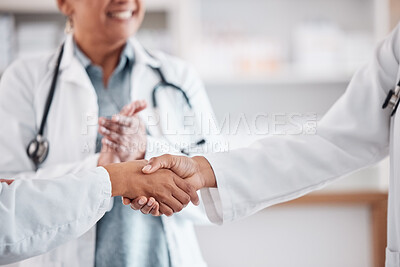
164, 83
51, 92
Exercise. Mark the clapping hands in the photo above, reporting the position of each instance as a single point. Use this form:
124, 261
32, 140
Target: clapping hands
124, 135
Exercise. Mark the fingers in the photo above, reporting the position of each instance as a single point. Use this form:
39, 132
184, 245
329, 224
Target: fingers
149, 206
124, 123
188, 189
155, 211
113, 145
164, 209
137, 203
173, 203
133, 108
126, 201
109, 146
162, 162
120, 125
114, 138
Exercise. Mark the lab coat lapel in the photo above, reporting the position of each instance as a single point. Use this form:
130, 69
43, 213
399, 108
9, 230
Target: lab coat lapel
71, 70
78, 97
143, 81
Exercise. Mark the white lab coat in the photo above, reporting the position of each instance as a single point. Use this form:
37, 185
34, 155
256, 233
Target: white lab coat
30, 228
72, 128
356, 132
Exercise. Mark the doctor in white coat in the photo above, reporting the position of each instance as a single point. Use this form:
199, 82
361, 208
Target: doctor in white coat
355, 133
72, 127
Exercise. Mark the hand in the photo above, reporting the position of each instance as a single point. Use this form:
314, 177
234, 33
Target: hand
146, 207
196, 171
170, 191
125, 133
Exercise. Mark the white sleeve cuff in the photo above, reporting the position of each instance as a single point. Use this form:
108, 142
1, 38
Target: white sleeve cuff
103, 179
217, 201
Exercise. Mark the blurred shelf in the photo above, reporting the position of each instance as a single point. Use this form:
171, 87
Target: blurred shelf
278, 79
50, 6
32, 6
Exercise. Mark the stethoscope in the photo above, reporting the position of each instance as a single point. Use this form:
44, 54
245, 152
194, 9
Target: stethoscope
393, 99
164, 84
38, 148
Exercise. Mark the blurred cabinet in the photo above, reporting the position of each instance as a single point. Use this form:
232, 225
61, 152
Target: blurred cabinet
281, 41
256, 41
37, 27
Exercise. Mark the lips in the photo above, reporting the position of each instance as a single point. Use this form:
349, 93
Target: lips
122, 15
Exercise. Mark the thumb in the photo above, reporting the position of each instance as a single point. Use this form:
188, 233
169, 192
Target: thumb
162, 162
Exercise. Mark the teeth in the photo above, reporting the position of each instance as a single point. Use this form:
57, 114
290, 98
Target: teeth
121, 15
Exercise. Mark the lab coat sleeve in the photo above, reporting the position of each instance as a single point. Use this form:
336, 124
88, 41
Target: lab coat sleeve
40, 214
18, 127
353, 134
206, 128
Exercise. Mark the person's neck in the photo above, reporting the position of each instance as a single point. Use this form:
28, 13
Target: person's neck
101, 53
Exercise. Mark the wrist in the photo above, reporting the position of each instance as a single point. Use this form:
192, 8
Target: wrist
205, 171
117, 179
107, 159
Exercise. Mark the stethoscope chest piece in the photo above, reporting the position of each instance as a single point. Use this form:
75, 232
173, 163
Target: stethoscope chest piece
38, 149
392, 100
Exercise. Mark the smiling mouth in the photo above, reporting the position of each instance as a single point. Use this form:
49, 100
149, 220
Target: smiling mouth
123, 15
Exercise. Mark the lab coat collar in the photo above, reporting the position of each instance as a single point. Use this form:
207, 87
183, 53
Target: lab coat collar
142, 57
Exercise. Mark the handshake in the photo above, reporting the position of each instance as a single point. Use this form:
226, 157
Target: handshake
163, 185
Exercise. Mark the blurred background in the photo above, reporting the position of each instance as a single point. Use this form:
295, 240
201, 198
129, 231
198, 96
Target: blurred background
261, 58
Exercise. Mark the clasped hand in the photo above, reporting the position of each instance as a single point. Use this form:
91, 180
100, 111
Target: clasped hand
164, 185
124, 141
196, 171
171, 192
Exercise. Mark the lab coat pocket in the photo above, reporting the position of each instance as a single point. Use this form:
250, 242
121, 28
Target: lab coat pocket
392, 258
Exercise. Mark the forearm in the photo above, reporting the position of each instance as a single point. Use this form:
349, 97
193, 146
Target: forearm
206, 172
53, 170
118, 177
58, 210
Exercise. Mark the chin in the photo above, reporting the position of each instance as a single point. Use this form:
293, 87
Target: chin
120, 36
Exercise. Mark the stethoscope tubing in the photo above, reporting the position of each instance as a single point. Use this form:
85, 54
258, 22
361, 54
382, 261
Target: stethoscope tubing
44, 150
